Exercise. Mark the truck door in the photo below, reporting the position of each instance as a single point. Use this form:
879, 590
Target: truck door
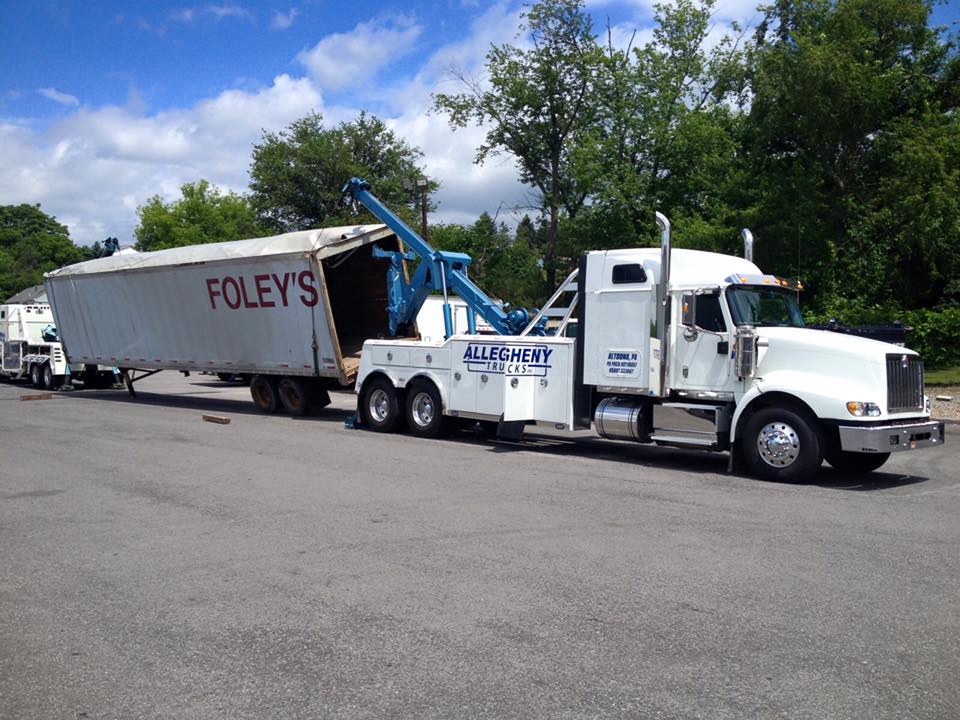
702, 353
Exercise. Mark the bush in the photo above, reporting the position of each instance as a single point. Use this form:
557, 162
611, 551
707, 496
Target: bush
935, 334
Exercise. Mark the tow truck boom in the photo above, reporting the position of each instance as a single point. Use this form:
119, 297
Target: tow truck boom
438, 270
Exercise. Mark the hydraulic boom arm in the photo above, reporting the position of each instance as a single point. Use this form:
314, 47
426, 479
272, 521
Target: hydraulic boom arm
438, 270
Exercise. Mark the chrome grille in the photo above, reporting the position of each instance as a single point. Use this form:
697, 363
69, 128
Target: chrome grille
904, 383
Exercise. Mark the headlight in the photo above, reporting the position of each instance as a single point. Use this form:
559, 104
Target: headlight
863, 409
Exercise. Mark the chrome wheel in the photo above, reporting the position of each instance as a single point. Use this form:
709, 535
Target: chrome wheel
379, 405
422, 409
778, 445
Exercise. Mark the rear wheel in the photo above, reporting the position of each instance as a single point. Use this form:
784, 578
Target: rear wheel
424, 409
854, 462
36, 377
380, 405
293, 396
50, 381
781, 444
225, 377
263, 390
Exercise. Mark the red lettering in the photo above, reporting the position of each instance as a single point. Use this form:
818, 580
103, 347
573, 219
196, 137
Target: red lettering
211, 292
282, 287
243, 294
227, 282
258, 280
309, 296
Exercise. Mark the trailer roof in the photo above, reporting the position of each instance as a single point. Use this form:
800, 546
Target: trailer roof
322, 242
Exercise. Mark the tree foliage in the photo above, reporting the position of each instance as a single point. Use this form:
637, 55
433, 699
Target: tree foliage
203, 214
538, 104
31, 243
297, 173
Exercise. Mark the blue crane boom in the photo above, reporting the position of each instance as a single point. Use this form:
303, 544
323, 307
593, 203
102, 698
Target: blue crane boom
438, 270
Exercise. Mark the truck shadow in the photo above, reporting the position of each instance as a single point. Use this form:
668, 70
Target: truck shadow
694, 461
582, 446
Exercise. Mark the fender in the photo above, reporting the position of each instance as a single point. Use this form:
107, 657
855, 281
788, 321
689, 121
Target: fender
401, 383
826, 396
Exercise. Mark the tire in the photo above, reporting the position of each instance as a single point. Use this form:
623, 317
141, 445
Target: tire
854, 462
225, 377
424, 410
782, 445
293, 396
50, 381
36, 376
380, 405
263, 390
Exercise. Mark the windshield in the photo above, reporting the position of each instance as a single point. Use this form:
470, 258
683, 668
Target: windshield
753, 305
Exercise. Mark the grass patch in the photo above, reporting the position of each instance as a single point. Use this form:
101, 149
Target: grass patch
944, 376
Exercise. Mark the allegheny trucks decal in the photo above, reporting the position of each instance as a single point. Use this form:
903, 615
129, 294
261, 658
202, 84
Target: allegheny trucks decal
507, 359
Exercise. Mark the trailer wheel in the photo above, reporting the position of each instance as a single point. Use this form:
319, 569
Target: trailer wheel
381, 405
293, 396
225, 376
781, 445
854, 462
36, 376
263, 390
424, 409
50, 381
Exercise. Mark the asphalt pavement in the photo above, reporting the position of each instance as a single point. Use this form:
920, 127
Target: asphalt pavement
158, 566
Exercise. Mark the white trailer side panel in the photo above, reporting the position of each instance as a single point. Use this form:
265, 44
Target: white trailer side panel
251, 306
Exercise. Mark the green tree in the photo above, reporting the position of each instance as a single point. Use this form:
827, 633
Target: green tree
539, 107
668, 137
297, 174
31, 243
202, 215
847, 94
506, 267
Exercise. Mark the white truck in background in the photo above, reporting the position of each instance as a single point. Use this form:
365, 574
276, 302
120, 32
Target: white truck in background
30, 348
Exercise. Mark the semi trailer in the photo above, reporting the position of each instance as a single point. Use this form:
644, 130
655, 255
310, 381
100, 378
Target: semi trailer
290, 311
674, 347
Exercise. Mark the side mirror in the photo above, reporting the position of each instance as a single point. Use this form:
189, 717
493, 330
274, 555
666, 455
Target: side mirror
688, 311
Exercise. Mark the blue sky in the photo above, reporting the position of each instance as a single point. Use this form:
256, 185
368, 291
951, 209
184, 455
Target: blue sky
105, 104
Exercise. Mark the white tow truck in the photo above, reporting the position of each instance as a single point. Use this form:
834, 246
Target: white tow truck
674, 347
30, 347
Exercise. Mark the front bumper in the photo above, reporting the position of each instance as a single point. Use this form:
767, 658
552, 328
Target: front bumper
891, 438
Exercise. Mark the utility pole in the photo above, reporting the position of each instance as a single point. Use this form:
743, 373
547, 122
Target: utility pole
423, 187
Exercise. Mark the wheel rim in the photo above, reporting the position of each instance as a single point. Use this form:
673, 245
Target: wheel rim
422, 409
261, 394
291, 396
778, 444
379, 405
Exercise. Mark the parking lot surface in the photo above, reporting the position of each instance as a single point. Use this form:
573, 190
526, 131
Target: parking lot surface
158, 566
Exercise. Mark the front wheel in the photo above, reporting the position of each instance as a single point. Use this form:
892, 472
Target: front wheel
380, 405
424, 410
854, 462
781, 445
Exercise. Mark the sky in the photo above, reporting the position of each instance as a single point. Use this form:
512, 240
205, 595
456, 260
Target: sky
106, 104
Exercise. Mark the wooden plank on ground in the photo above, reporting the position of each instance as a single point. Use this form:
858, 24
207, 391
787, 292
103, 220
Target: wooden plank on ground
218, 419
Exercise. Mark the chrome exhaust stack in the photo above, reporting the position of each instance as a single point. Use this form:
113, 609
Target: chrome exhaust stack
747, 244
663, 297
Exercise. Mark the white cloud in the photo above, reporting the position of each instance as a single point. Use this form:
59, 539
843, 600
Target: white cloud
95, 167
58, 97
228, 10
282, 21
344, 59
186, 15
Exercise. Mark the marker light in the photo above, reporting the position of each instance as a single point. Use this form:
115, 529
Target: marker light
863, 409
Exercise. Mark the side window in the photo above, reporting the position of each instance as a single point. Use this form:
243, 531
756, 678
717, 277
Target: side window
3, 314
709, 315
629, 274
